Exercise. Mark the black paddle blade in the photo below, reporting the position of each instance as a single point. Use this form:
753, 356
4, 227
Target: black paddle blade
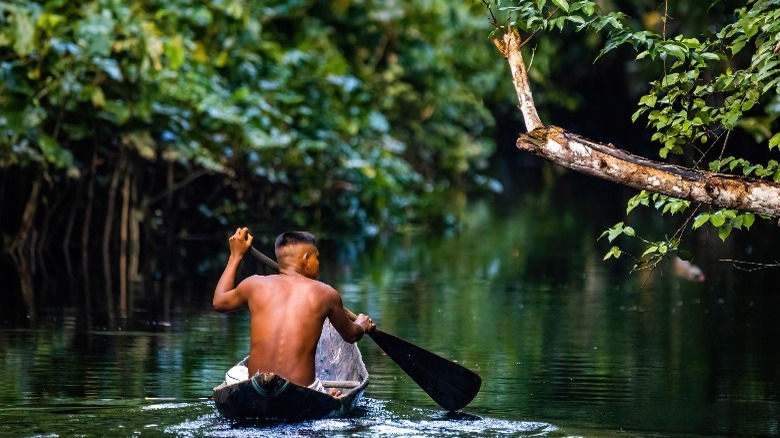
450, 385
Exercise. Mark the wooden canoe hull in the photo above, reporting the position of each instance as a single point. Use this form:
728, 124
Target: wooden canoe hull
267, 396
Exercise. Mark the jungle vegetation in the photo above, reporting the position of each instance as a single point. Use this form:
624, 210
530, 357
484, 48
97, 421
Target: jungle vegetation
126, 125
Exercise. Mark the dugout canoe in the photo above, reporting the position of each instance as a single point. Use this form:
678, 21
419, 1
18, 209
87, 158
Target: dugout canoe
266, 396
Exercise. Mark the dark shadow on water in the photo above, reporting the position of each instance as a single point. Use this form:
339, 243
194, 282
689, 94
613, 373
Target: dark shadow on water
460, 416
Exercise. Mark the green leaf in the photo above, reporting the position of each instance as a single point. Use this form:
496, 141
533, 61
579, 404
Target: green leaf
174, 50
774, 142
737, 46
648, 100
701, 220
770, 84
639, 199
724, 231
711, 56
115, 111
54, 153
637, 113
670, 79
652, 249
613, 252
676, 50
718, 219
589, 8
96, 33
748, 220
614, 233
97, 97
24, 31
563, 4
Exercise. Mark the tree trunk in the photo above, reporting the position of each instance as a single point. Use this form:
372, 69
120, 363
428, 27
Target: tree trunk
107, 228
68, 233
605, 161
169, 234
123, 235
85, 235
135, 234
50, 217
23, 236
28, 291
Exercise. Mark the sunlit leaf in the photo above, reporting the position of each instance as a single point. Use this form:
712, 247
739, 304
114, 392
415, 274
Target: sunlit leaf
613, 252
718, 219
173, 49
652, 249
563, 4
24, 30
748, 220
724, 231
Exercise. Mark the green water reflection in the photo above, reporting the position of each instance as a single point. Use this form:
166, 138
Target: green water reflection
566, 344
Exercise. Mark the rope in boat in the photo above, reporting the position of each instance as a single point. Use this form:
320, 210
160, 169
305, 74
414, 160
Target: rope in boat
268, 394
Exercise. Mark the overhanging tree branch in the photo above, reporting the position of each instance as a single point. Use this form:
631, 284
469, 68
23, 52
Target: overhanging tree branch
510, 46
605, 161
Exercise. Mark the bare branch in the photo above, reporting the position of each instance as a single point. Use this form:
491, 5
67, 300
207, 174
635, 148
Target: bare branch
754, 266
509, 46
608, 162
605, 161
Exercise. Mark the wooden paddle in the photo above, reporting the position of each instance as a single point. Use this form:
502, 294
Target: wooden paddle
450, 385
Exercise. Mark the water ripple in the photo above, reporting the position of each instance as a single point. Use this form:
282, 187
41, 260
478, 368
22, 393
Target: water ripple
372, 418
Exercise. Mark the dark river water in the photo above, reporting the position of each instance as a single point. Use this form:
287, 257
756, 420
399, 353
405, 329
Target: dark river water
566, 344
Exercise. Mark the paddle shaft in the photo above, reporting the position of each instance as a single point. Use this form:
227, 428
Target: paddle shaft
449, 384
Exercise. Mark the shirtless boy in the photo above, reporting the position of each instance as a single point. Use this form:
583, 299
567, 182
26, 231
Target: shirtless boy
286, 310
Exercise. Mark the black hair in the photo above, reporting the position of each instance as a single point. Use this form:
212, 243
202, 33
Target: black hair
293, 237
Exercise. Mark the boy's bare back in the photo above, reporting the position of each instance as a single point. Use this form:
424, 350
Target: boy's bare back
287, 313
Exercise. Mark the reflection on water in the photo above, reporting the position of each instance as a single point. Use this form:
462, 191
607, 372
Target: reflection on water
566, 344
199, 418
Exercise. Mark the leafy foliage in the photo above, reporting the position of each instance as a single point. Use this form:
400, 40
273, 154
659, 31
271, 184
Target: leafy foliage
323, 114
712, 88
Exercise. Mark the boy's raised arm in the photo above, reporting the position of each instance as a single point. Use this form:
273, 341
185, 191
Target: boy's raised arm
226, 296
